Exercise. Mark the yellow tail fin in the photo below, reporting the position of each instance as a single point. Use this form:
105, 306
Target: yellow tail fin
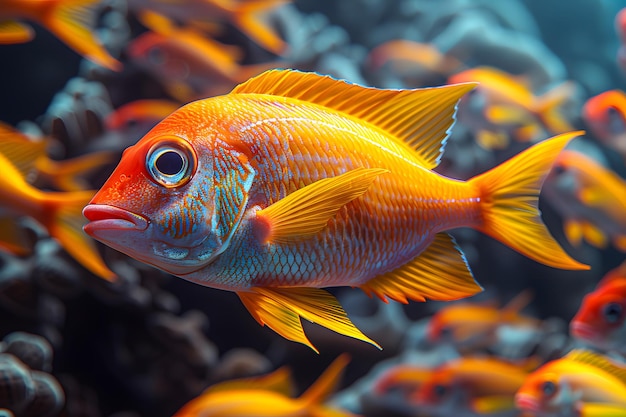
71, 21
548, 107
510, 192
66, 225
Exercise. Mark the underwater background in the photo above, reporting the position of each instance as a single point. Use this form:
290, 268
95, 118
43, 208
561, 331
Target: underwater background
77, 345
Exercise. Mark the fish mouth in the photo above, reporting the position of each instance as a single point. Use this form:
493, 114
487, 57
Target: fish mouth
104, 217
526, 402
583, 331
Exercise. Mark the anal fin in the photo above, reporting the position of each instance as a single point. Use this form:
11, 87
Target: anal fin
439, 273
281, 308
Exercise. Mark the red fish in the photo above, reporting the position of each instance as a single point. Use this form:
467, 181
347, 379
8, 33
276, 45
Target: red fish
66, 19
600, 318
605, 114
138, 112
296, 181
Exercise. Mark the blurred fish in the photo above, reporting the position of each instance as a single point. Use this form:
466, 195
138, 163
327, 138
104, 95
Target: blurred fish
580, 376
268, 396
69, 20
474, 325
408, 60
600, 410
591, 199
605, 114
406, 377
296, 181
600, 318
59, 212
188, 64
472, 387
139, 112
30, 158
246, 15
508, 102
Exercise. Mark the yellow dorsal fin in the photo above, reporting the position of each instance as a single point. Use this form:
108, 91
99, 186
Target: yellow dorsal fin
15, 32
306, 211
420, 118
281, 309
598, 361
19, 149
279, 381
439, 273
327, 382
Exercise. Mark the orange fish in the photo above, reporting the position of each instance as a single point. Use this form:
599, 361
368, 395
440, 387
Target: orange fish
186, 62
58, 212
268, 396
296, 181
30, 158
472, 386
580, 376
605, 114
509, 101
591, 199
472, 325
600, 318
68, 20
247, 16
407, 59
407, 377
139, 112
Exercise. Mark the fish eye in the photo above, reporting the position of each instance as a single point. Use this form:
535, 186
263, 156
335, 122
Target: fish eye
156, 55
171, 163
612, 312
548, 388
558, 169
440, 390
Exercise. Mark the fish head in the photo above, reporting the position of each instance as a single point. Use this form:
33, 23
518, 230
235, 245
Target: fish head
440, 388
168, 204
605, 114
542, 392
600, 319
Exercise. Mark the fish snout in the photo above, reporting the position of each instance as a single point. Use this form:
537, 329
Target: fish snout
526, 402
109, 218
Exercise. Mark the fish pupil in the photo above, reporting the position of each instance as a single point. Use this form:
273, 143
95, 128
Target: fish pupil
440, 390
612, 312
170, 163
548, 388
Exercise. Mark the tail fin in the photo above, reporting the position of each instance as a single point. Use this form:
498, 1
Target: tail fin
510, 213
246, 18
66, 225
547, 107
327, 382
70, 21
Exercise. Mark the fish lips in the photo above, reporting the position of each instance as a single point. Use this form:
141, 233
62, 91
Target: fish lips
105, 220
527, 402
583, 331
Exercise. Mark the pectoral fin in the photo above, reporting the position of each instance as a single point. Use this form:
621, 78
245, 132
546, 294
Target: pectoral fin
306, 211
439, 273
281, 308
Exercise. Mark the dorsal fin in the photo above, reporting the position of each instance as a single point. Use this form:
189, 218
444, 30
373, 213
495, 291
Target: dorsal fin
420, 118
598, 361
279, 381
327, 382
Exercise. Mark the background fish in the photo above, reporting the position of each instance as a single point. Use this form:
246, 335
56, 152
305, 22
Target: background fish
292, 183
